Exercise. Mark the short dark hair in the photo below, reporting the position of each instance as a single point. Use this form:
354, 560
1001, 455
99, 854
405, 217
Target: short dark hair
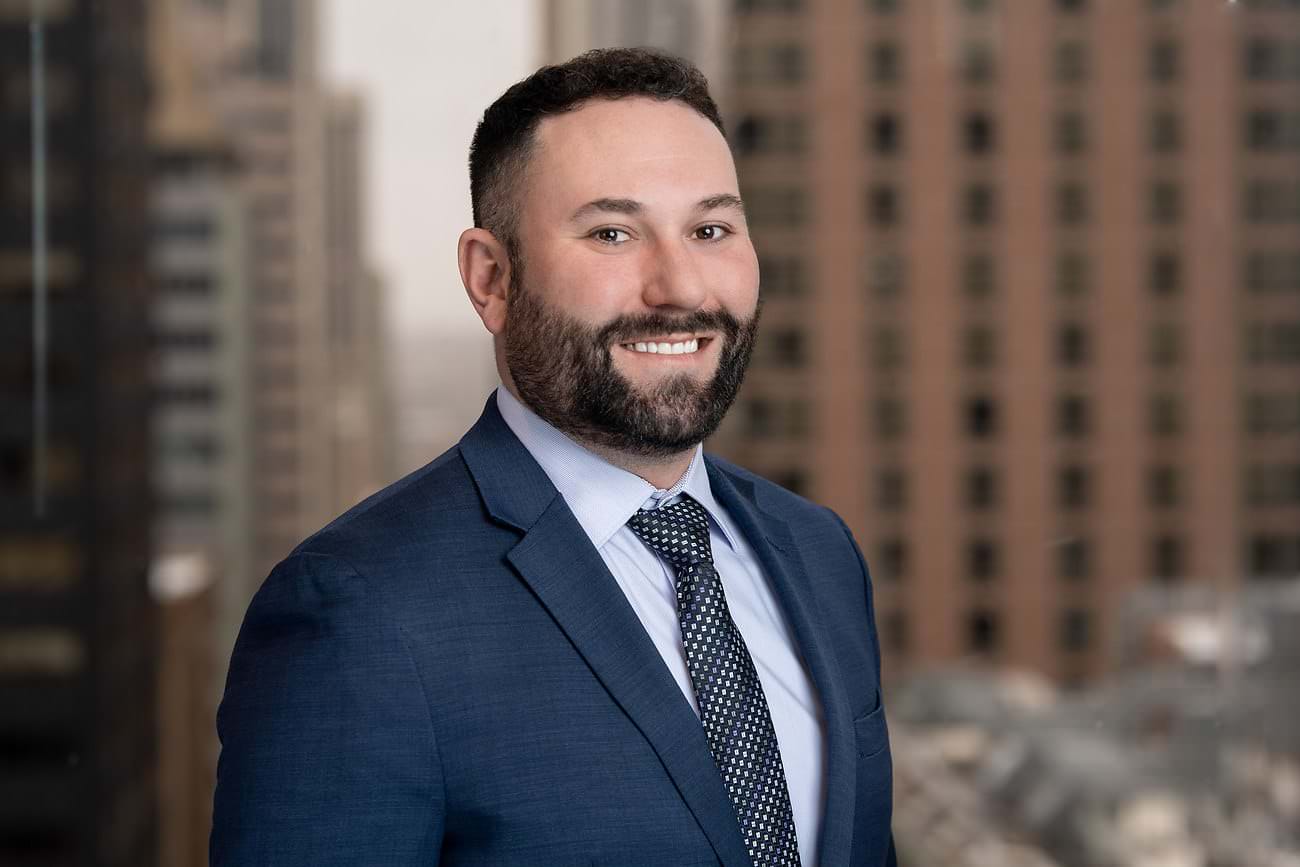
506, 136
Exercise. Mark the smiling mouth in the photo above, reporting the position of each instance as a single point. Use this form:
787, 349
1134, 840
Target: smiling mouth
666, 347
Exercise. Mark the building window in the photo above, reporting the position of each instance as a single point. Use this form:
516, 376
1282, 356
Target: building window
1272, 271
1076, 630
782, 63
787, 348
1276, 413
1272, 485
982, 560
885, 274
198, 227
42, 652
982, 632
1071, 204
197, 283
199, 448
757, 135
897, 637
978, 62
885, 133
1167, 558
1272, 555
1271, 201
1073, 487
982, 488
1166, 203
777, 207
981, 416
888, 348
1074, 559
768, 5
1166, 132
1165, 273
1273, 342
1263, 130
884, 209
1073, 345
1164, 487
195, 394
1073, 274
783, 276
980, 347
890, 417
770, 418
1163, 61
978, 134
1164, 344
885, 63
198, 339
1264, 59
979, 204
38, 562
893, 558
1073, 416
1070, 62
1070, 133
1165, 415
891, 489
978, 275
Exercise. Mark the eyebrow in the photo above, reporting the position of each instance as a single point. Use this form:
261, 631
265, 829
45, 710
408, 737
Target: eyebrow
632, 206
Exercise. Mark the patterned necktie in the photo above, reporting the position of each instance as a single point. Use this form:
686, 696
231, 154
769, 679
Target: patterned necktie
732, 706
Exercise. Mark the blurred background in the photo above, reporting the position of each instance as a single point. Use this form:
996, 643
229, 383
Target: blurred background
1031, 272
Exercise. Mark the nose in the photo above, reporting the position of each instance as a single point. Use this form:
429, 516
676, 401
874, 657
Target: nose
673, 277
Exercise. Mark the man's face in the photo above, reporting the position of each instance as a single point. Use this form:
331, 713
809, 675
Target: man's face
631, 237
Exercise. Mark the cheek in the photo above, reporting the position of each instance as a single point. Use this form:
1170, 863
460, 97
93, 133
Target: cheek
736, 281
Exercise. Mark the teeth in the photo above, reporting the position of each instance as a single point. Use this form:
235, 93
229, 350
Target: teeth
685, 347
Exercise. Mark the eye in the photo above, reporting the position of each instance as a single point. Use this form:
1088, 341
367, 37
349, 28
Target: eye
712, 232
610, 236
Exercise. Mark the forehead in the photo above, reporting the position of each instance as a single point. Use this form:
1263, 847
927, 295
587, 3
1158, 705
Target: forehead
659, 153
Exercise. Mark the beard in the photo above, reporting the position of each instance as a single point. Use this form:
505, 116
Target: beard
564, 370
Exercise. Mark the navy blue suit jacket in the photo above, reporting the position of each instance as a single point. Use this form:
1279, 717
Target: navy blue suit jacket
448, 674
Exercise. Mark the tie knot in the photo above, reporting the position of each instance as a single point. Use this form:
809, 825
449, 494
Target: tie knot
679, 532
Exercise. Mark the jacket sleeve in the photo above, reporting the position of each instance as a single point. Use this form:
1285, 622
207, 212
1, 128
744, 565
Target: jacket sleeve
327, 749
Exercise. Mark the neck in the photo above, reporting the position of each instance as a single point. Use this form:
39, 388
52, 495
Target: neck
663, 473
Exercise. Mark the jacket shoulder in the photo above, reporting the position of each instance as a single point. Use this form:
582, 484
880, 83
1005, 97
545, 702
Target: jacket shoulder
440, 494
774, 498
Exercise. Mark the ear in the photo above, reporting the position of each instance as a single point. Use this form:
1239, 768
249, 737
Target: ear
485, 271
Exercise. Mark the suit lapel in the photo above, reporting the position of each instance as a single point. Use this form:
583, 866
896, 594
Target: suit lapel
558, 562
775, 546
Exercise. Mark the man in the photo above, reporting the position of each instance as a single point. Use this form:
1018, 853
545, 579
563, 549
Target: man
572, 639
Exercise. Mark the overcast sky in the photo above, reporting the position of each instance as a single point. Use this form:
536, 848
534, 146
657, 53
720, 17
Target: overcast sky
427, 70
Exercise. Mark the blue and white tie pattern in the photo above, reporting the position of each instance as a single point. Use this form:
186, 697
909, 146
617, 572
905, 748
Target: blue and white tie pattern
732, 706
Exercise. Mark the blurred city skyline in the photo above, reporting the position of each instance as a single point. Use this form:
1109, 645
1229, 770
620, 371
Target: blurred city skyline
1032, 329
423, 104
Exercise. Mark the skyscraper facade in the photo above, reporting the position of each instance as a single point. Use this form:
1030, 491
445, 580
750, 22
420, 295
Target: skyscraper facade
1032, 310
77, 638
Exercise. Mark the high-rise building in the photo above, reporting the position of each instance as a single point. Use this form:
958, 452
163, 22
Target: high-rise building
362, 430
1031, 276
258, 62
694, 29
201, 436
77, 637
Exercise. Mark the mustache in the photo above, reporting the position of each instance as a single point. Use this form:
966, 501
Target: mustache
625, 329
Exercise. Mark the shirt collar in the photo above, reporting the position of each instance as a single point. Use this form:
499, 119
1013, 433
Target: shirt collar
602, 496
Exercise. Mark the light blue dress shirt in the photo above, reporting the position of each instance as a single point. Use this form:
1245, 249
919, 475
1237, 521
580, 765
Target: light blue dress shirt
602, 497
